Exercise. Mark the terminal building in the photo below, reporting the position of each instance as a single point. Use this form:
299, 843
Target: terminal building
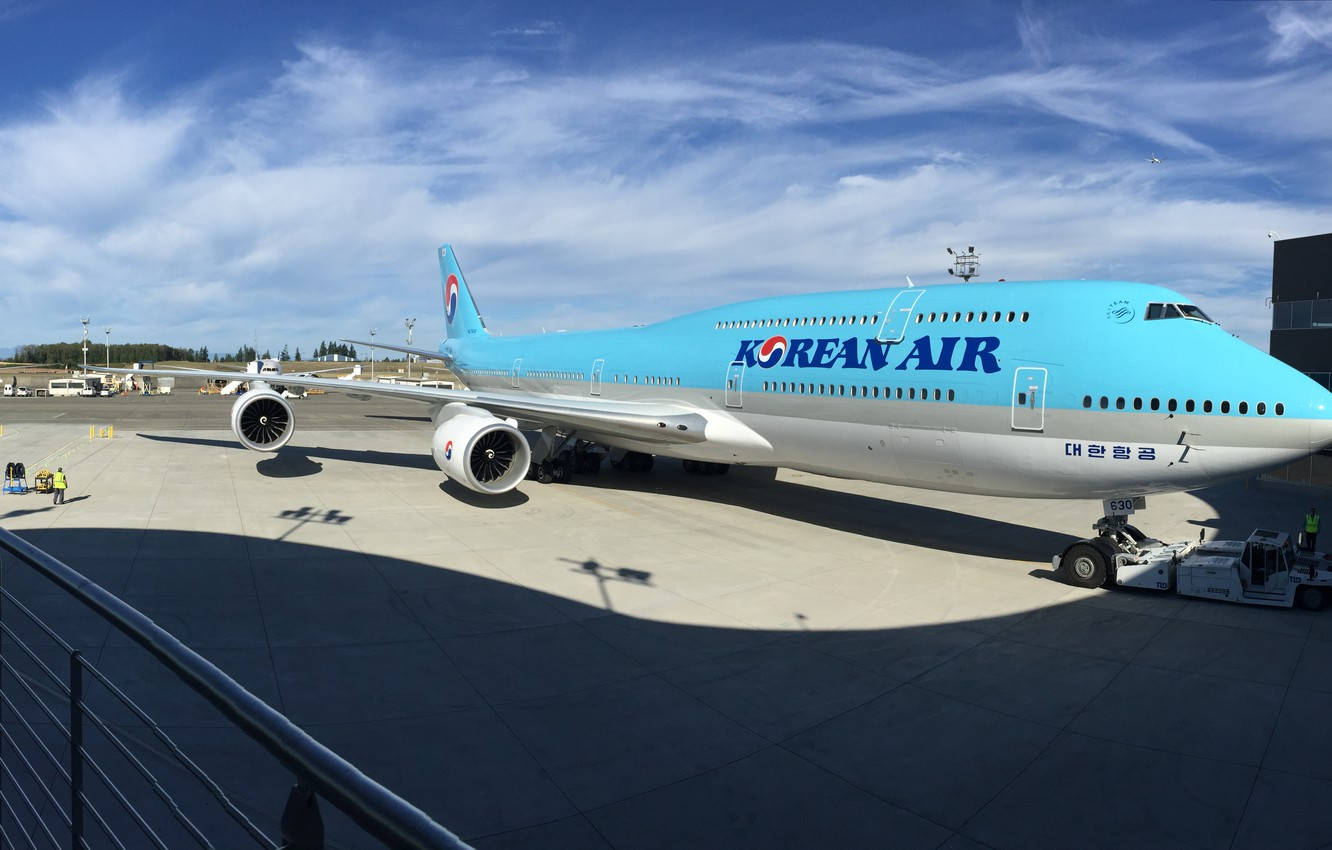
1302, 305
1302, 330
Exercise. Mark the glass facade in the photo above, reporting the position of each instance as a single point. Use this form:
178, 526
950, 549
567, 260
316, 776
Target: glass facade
1293, 315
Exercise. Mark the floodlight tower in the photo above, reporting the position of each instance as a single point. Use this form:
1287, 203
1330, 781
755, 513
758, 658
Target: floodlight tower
410, 323
108, 345
373, 331
85, 321
965, 266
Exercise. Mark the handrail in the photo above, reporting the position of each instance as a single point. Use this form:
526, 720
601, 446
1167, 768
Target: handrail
381, 813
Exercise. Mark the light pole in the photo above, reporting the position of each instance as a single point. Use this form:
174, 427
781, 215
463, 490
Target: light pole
373, 331
85, 321
410, 323
108, 346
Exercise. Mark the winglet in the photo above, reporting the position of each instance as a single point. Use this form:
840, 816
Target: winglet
461, 318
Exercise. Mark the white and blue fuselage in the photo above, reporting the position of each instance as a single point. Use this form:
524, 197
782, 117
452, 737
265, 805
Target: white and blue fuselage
1048, 389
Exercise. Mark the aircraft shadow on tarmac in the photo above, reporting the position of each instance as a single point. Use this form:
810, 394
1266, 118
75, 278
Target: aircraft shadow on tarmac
758, 489
298, 461
520, 718
397, 418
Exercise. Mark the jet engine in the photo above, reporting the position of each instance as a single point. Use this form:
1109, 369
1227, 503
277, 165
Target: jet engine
262, 420
481, 452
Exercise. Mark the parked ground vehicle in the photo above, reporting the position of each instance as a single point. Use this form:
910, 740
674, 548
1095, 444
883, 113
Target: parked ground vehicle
1263, 569
87, 387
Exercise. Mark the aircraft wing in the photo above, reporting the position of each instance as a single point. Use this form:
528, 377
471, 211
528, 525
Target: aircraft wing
642, 421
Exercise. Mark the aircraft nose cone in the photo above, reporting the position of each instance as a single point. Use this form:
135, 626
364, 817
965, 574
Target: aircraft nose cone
1320, 434
1320, 420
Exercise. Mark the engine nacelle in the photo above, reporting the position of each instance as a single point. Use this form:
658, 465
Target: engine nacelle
262, 420
481, 452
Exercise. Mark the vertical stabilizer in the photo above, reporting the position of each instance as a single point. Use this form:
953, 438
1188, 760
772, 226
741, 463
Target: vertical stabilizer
461, 318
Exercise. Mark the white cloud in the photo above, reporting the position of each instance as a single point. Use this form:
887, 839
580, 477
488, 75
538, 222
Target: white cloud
1297, 27
311, 207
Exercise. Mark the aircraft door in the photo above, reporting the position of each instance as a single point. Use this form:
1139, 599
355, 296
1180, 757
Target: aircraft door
516, 372
895, 321
735, 384
597, 366
1029, 398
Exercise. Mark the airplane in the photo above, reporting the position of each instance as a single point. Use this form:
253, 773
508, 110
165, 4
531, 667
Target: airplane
1050, 389
1154, 159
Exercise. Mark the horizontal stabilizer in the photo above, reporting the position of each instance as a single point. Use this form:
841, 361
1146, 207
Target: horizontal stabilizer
419, 352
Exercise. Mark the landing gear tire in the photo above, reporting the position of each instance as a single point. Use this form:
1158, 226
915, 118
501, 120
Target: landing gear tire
1084, 566
543, 472
638, 462
1312, 598
588, 462
560, 471
705, 467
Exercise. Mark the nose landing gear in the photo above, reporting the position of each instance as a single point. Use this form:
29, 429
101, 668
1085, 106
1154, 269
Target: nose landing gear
1091, 562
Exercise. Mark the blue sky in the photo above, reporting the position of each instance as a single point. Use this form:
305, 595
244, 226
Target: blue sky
208, 175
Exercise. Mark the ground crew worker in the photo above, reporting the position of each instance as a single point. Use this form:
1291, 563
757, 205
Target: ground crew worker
58, 484
1311, 529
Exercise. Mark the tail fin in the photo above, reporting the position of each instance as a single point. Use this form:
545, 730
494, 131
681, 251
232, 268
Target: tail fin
461, 318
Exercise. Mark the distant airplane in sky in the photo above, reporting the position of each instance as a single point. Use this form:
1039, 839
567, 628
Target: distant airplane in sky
1053, 389
1154, 159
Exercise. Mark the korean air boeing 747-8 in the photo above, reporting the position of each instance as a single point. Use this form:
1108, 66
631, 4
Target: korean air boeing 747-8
1059, 389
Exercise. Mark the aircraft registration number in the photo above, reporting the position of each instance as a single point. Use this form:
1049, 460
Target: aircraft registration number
1124, 506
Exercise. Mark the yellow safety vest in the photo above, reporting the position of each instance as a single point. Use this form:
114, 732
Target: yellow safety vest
1311, 523
59, 482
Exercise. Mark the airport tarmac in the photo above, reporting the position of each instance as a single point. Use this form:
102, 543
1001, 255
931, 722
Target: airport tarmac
667, 660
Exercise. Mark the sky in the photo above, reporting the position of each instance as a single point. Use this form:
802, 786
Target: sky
227, 174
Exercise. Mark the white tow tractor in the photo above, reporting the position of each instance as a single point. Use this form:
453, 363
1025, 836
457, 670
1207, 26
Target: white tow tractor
1264, 569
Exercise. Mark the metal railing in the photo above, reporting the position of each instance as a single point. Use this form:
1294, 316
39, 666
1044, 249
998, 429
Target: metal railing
80, 800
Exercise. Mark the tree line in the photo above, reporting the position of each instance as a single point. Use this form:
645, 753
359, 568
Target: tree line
71, 353
342, 348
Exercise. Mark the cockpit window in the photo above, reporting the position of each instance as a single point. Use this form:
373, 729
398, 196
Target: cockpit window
1192, 312
1158, 310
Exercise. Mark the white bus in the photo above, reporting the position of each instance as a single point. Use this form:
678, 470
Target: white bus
74, 386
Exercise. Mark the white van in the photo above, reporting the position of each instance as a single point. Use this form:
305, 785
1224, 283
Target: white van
72, 386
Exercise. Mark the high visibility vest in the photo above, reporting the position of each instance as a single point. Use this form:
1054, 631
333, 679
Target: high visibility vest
59, 482
1311, 523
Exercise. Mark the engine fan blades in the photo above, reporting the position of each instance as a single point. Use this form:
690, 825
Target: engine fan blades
492, 456
264, 421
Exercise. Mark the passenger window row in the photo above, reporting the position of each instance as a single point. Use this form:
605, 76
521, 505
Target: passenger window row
650, 380
803, 322
1190, 406
957, 317
971, 316
861, 391
555, 373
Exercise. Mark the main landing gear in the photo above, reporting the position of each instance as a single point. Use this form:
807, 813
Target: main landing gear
556, 460
562, 460
633, 462
706, 467
1091, 562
